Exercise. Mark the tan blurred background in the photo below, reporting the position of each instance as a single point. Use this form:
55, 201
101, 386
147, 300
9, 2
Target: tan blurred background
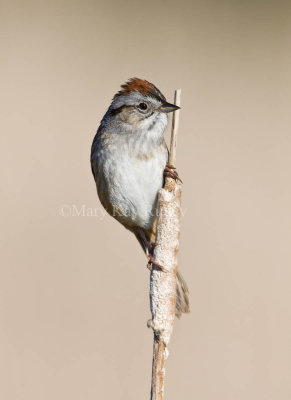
74, 290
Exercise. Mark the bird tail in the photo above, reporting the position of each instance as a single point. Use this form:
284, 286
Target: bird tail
182, 294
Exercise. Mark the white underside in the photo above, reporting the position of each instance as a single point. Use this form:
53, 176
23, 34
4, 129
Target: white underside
131, 188
129, 173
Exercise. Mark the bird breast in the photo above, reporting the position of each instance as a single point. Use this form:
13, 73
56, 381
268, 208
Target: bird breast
128, 182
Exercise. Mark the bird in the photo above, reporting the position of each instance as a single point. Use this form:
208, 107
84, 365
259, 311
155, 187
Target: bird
129, 162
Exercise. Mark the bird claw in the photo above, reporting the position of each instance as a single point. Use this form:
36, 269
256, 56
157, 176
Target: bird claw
149, 248
170, 172
152, 262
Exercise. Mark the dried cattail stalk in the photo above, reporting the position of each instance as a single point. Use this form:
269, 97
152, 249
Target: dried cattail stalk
163, 283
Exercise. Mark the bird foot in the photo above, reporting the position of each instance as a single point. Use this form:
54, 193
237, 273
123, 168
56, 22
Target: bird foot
170, 172
149, 246
152, 262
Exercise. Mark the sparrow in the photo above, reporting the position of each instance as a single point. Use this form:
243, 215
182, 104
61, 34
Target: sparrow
129, 163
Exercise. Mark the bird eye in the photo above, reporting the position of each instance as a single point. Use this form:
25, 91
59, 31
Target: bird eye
142, 106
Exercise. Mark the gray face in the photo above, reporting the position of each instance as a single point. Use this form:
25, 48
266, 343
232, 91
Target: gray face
135, 108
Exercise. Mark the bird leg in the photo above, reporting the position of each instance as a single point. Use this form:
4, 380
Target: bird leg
170, 172
149, 250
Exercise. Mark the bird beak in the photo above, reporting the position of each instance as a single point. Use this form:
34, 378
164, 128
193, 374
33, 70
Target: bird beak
167, 107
